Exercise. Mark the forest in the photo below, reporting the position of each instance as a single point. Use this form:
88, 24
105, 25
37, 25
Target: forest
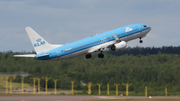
154, 67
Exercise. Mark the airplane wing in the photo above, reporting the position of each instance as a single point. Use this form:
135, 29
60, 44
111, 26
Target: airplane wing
106, 46
101, 48
116, 38
25, 55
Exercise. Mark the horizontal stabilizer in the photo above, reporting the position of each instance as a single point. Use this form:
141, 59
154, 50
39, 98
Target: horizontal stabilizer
25, 55
44, 55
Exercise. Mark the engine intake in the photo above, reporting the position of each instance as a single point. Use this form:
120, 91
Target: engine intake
119, 46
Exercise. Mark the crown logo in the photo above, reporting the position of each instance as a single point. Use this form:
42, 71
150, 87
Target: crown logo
128, 29
38, 40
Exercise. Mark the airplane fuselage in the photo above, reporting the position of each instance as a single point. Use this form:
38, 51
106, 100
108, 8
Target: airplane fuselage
84, 46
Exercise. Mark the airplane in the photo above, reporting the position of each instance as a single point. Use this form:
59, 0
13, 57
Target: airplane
112, 40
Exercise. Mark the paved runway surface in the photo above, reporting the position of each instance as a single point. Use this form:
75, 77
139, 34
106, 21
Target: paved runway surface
73, 98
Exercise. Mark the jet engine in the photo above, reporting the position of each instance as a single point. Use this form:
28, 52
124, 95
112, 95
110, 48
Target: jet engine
118, 46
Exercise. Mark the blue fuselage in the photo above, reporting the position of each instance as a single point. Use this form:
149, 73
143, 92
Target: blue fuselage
81, 47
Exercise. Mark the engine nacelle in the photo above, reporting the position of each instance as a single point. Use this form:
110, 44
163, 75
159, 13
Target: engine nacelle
118, 46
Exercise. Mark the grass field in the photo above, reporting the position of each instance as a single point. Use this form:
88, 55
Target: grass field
14, 94
16, 88
14, 85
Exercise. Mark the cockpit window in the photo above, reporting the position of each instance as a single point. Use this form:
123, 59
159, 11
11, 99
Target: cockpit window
145, 26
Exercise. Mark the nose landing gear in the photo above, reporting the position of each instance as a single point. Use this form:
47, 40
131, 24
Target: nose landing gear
141, 41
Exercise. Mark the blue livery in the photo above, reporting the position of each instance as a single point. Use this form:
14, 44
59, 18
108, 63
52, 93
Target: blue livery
112, 40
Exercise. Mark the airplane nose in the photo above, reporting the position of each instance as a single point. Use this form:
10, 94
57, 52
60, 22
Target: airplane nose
149, 28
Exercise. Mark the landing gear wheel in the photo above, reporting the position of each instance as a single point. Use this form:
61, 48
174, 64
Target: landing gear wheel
101, 55
141, 41
88, 56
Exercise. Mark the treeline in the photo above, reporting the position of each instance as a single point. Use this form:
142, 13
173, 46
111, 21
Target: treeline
157, 71
148, 50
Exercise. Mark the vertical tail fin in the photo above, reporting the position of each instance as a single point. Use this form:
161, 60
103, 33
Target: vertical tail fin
40, 44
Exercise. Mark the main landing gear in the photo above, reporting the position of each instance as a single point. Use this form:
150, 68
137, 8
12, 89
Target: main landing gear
141, 41
100, 55
88, 56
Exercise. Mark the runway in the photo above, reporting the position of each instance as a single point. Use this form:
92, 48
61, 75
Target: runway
75, 98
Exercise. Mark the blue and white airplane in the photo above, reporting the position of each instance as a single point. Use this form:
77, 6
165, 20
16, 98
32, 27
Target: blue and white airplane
113, 40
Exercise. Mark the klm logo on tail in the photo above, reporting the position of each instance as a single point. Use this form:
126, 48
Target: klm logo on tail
39, 42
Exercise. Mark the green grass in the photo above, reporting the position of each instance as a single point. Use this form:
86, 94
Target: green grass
14, 94
14, 85
151, 91
131, 93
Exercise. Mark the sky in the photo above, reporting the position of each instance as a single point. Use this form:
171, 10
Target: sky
65, 21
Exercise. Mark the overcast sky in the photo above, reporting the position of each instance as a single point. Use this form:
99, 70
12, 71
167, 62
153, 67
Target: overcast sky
65, 21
